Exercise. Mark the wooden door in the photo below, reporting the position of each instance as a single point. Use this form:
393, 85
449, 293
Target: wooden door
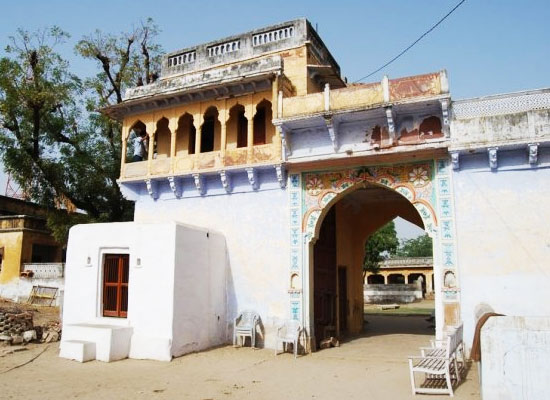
342, 299
115, 285
324, 278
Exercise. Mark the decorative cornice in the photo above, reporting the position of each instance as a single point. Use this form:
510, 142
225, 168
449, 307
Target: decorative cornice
332, 127
455, 159
445, 126
493, 157
390, 117
511, 103
252, 178
152, 188
226, 181
176, 186
199, 183
281, 175
533, 153
283, 132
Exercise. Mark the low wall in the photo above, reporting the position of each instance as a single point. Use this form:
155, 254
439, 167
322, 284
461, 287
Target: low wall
19, 290
515, 358
391, 293
45, 270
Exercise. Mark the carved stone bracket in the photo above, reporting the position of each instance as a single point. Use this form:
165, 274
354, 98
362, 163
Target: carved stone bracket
332, 127
199, 183
285, 142
533, 153
226, 181
445, 114
281, 175
176, 185
455, 160
252, 177
390, 116
152, 188
493, 157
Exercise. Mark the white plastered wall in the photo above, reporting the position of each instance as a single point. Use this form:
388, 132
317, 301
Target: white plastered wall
155, 283
256, 229
503, 236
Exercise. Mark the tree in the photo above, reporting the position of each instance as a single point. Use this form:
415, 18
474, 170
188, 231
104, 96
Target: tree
378, 247
126, 60
53, 141
417, 247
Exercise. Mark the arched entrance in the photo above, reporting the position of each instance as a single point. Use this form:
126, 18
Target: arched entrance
338, 250
426, 185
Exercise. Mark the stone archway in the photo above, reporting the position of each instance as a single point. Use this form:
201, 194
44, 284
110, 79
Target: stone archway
426, 185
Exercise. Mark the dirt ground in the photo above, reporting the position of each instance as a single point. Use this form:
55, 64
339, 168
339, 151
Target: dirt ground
41, 315
370, 366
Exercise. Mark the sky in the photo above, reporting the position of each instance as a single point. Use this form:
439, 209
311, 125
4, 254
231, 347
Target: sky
486, 46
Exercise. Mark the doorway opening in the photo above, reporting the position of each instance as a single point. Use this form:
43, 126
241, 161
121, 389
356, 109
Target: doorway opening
340, 284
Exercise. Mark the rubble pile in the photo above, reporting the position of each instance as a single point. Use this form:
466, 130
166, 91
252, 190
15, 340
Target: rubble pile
51, 332
17, 327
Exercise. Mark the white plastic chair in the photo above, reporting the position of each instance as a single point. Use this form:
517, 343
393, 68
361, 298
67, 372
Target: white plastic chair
245, 325
288, 333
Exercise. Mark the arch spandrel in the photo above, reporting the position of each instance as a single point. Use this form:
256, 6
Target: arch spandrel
322, 189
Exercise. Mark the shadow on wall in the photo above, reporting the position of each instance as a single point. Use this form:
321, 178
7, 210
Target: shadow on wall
231, 299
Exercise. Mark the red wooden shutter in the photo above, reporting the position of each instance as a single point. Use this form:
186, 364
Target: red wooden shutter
115, 285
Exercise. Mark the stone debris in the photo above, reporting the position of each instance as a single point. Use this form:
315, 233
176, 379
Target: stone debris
16, 339
51, 333
29, 335
329, 342
17, 327
13, 324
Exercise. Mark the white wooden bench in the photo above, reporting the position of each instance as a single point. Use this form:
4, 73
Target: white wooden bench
439, 364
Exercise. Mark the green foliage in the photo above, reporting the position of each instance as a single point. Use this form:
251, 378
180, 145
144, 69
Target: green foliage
417, 247
125, 60
379, 246
53, 142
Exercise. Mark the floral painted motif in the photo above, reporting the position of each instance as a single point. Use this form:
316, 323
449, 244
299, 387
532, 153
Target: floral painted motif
412, 181
418, 177
314, 186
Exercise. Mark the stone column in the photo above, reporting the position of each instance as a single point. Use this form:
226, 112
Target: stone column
223, 139
429, 287
173, 126
250, 132
406, 278
152, 133
198, 118
125, 134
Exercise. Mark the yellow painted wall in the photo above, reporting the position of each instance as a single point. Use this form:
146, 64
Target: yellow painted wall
18, 250
312, 86
295, 69
12, 243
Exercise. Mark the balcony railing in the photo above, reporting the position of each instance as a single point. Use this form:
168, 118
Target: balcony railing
365, 96
205, 162
400, 262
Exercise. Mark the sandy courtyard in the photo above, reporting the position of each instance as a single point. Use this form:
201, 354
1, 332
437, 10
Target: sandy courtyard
372, 366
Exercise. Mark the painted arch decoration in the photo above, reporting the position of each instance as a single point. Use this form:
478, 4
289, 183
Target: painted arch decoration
415, 182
